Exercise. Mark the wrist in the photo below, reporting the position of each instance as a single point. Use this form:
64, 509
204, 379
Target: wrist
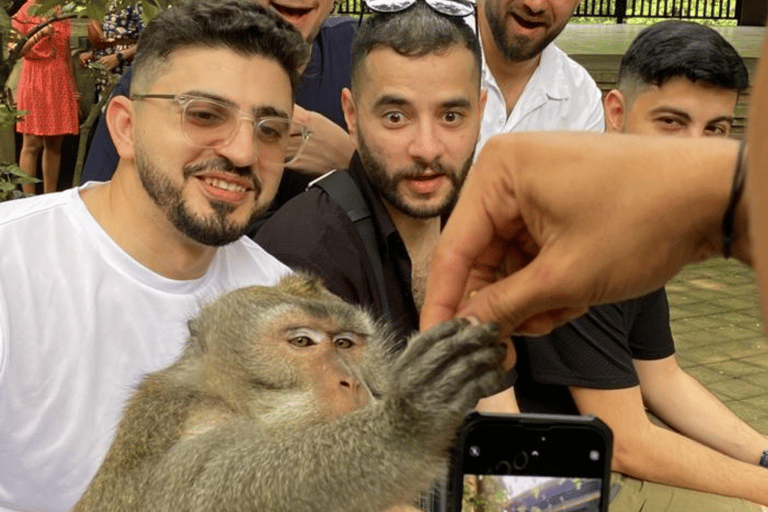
764, 459
715, 203
734, 201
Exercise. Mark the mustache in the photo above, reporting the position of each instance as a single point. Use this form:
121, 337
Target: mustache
527, 15
222, 165
418, 169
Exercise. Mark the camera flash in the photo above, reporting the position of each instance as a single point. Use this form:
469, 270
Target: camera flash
594, 455
474, 450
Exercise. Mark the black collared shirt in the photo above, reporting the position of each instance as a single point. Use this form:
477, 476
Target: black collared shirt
313, 233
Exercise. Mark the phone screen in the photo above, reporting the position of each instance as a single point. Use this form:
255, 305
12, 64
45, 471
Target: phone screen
530, 493
531, 463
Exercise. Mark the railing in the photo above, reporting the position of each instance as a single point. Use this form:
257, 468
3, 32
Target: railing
620, 10
681, 9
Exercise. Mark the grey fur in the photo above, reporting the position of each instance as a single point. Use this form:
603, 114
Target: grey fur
260, 444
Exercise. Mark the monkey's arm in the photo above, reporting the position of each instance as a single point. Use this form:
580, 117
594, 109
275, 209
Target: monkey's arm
369, 460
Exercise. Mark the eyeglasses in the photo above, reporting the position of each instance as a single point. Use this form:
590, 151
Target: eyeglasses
459, 8
208, 123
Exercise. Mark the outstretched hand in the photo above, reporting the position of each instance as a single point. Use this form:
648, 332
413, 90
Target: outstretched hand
549, 224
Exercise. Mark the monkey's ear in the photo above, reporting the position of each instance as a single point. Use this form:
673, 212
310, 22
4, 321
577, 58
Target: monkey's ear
196, 342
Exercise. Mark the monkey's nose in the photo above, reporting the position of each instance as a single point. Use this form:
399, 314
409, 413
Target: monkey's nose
355, 392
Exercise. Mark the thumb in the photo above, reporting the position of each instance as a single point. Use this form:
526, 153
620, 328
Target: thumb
300, 115
526, 299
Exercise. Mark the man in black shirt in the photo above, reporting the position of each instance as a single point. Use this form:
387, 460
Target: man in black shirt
414, 109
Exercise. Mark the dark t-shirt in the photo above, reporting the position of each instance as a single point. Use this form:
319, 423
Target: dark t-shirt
593, 351
327, 73
313, 233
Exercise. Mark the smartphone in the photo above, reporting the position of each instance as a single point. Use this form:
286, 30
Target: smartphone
531, 462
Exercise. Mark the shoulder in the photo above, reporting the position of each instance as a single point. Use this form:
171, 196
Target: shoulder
307, 220
30, 208
336, 36
340, 27
313, 233
245, 256
572, 74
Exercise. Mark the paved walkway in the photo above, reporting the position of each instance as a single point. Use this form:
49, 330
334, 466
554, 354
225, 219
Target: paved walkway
719, 335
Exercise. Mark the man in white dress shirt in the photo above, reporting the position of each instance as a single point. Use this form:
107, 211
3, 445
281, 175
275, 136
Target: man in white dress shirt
532, 84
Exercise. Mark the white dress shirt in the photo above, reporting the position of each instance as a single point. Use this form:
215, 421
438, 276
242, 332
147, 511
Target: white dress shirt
560, 95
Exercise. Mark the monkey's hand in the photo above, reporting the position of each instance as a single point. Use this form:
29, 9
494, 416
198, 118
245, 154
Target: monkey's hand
440, 377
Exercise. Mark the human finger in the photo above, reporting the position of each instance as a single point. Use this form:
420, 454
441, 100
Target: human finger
532, 300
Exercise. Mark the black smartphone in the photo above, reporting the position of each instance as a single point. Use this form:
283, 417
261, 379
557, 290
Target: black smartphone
530, 462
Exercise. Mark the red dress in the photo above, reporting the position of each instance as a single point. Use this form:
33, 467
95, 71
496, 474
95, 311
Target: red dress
45, 87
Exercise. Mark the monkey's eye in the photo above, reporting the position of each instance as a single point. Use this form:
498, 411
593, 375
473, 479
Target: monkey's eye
301, 341
343, 343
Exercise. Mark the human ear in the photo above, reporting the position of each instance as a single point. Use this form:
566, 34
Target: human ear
615, 110
120, 121
350, 112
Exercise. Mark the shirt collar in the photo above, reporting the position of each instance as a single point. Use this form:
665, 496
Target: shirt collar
381, 216
548, 78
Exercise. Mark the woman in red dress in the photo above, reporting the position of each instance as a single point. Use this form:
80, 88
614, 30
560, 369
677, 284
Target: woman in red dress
48, 93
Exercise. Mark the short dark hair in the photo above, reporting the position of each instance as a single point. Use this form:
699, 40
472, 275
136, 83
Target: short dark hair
673, 48
240, 25
416, 31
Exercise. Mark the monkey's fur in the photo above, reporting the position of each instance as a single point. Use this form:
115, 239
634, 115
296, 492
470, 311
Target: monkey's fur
249, 418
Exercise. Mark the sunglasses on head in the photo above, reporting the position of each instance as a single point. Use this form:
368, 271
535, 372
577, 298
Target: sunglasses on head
459, 8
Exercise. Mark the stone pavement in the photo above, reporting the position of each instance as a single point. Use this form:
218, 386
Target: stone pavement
719, 335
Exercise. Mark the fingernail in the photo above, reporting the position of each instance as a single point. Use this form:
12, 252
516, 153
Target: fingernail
472, 320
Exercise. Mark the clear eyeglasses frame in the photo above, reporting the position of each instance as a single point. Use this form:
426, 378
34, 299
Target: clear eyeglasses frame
458, 8
209, 123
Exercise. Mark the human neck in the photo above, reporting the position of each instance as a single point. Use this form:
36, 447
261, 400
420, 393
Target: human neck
420, 238
136, 224
419, 235
510, 76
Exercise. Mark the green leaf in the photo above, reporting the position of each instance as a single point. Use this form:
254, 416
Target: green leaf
95, 10
45, 8
149, 10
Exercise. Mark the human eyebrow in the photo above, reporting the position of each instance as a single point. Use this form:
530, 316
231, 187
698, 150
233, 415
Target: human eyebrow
671, 110
265, 111
456, 103
390, 100
210, 96
258, 112
727, 119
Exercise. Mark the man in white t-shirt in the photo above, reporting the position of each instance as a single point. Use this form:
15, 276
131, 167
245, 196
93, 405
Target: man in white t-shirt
532, 85
97, 283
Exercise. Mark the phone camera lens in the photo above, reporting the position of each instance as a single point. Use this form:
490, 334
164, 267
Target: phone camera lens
474, 450
503, 468
520, 461
594, 455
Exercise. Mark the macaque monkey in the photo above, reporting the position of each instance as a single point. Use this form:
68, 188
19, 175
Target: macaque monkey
287, 398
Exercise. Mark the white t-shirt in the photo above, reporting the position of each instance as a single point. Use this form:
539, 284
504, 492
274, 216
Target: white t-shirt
80, 323
560, 95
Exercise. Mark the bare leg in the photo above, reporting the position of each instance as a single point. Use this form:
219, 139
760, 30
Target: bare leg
30, 149
51, 162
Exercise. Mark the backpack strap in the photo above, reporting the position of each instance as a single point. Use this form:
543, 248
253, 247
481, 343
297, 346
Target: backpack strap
343, 191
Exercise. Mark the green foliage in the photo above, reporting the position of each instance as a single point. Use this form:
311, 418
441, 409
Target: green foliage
11, 176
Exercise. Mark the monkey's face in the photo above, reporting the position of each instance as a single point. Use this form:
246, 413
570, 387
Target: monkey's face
322, 357
290, 350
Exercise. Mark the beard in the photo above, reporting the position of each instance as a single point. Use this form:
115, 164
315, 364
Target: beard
516, 47
387, 183
214, 229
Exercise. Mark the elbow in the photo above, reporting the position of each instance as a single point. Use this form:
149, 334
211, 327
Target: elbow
628, 456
